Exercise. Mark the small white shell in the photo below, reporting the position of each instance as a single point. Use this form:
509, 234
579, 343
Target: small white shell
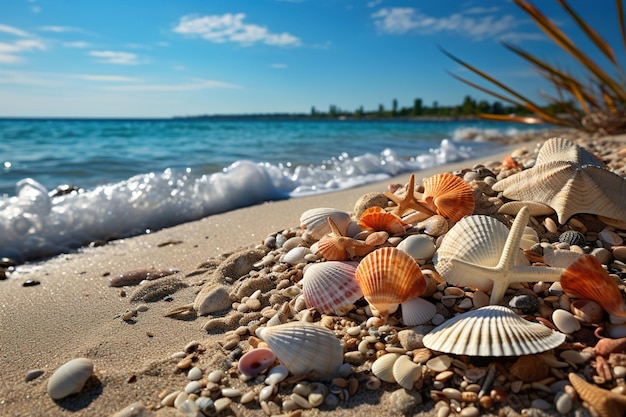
315, 222
382, 367
565, 321
303, 347
406, 372
492, 331
417, 311
69, 378
296, 255
420, 247
331, 287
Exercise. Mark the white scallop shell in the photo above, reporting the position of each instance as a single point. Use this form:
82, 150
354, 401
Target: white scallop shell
382, 367
69, 378
315, 222
303, 347
331, 287
417, 311
492, 331
406, 372
475, 239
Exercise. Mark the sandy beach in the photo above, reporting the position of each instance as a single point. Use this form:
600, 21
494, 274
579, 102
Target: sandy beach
73, 312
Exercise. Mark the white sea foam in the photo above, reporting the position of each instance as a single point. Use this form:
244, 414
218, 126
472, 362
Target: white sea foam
36, 223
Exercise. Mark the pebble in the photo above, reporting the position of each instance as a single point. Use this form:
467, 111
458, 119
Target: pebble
410, 340
34, 374
231, 392
480, 299
69, 378
194, 374
575, 356
565, 321
418, 246
266, 392
439, 363
215, 376
563, 403
619, 252
526, 303
470, 411
619, 371
136, 409
550, 225
404, 402
193, 386
609, 236
603, 255
221, 404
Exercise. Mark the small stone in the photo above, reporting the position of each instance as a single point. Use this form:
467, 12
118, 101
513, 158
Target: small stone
619, 371
34, 374
136, 409
541, 404
603, 255
550, 225
526, 303
410, 340
215, 376
439, 363
470, 411
480, 299
194, 374
619, 253
563, 403
575, 357
565, 321
405, 402
609, 236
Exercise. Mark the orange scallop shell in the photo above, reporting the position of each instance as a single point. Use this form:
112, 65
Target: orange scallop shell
449, 195
586, 279
377, 219
388, 277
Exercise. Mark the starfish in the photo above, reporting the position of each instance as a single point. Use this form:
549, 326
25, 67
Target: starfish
334, 246
408, 202
506, 272
604, 402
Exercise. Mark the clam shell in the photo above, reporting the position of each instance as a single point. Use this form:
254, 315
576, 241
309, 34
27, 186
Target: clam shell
388, 277
436, 225
69, 378
417, 311
314, 221
303, 347
420, 247
406, 372
382, 367
492, 331
256, 361
476, 239
331, 287
377, 219
587, 279
450, 195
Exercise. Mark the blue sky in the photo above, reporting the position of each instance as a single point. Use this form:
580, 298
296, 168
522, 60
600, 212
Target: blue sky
162, 58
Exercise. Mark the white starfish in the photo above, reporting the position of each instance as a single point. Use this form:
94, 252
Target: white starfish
506, 272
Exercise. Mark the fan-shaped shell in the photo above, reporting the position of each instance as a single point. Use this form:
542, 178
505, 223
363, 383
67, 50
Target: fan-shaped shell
331, 287
69, 378
303, 347
449, 195
406, 372
417, 311
492, 331
586, 279
388, 277
382, 367
314, 221
476, 239
377, 219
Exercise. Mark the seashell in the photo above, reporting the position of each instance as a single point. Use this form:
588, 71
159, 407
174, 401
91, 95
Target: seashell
606, 346
377, 219
314, 221
449, 196
296, 255
417, 311
492, 331
420, 247
382, 367
586, 279
408, 202
334, 246
529, 238
604, 402
388, 277
369, 200
559, 258
570, 180
530, 368
534, 208
256, 361
436, 225
587, 311
481, 252
212, 298
572, 237
69, 378
303, 347
406, 372
331, 287
565, 321
433, 279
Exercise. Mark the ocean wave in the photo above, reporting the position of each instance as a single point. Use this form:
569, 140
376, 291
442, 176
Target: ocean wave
37, 222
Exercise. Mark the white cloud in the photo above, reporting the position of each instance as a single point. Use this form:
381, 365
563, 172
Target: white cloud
76, 44
59, 29
14, 31
472, 22
116, 57
192, 86
9, 52
231, 28
107, 78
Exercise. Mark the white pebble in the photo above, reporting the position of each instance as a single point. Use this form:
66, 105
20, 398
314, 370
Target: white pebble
221, 404
565, 321
215, 376
168, 400
437, 319
266, 392
193, 386
194, 374
231, 392
69, 378
276, 375
563, 403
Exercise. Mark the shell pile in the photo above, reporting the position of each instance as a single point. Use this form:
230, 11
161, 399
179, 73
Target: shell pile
397, 312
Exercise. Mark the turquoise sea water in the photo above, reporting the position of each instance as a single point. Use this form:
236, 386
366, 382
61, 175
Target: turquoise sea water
140, 175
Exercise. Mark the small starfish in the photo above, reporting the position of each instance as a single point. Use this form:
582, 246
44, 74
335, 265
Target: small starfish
334, 246
408, 202
604, 402
506, 272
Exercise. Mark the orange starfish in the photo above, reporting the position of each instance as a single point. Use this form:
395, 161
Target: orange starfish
605, 402
334, 246
408, 202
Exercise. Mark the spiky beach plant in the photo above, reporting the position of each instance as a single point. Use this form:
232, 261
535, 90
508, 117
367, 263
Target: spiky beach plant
595, 103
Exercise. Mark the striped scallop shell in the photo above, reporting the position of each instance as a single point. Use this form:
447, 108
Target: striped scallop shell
476, 239
304, 347
450, 195
492, 331
315, 222
417, 311
388, 277
377, 219
331, 287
